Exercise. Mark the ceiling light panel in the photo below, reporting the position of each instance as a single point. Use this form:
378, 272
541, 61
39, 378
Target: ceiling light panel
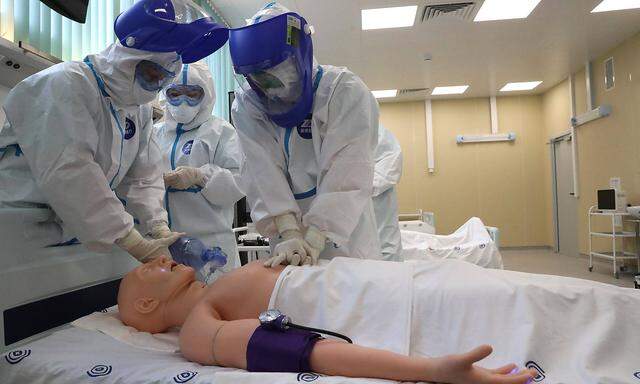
616, 5
385, 93
393, 17
451, 90
506, 9
521, 86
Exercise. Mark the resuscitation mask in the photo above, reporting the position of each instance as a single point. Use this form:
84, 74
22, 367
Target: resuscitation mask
183, 113
178, 94
152, 76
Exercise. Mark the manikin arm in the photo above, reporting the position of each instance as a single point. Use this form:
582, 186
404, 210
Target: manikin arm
207, 340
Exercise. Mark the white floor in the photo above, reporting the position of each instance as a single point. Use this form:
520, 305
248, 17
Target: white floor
545, 261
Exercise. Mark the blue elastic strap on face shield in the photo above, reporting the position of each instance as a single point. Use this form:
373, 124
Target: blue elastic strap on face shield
266, 44
151, 25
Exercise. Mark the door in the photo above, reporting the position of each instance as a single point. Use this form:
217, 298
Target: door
566, 205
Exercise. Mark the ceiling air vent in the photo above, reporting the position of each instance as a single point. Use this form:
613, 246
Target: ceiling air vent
461, 10
412, 91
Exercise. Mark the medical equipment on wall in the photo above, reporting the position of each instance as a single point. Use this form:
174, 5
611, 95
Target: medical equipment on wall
634, 211
192, 252
276, 320
463, 139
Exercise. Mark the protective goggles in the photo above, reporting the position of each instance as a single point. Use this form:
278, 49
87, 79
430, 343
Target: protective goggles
191, 94
152, 76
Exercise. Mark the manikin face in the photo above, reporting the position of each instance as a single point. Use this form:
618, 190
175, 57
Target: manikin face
146, 291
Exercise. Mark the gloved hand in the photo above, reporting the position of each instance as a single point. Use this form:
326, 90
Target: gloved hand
162, 230
314, 243
291, 249
145, 250
184, 177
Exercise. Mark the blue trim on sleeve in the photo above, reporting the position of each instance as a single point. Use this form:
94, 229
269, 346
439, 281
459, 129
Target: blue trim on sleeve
304, 195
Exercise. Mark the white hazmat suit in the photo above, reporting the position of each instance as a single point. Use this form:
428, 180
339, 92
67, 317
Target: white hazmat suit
321, 171
387, 173
76, 134
209, 144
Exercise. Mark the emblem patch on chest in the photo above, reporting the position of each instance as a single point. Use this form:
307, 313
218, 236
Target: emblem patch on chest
186, 148
129, 129
304, 129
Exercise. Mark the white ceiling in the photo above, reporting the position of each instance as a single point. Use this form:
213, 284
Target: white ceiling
555, 40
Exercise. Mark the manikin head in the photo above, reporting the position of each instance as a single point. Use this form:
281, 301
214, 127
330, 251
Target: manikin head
158, 295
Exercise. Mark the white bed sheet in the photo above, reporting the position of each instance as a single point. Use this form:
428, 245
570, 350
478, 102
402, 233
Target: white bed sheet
76, 355
471, 243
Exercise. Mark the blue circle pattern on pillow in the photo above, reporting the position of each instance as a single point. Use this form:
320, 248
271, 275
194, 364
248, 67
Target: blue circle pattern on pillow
14, 357
99, 370
183, 377
307, 377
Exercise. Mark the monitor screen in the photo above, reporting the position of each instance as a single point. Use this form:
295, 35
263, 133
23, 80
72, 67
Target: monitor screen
607, 199
75, 10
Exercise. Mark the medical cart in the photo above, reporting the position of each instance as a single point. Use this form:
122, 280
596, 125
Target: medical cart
618, 251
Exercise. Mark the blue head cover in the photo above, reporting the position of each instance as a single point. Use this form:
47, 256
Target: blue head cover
261, 46
170, 26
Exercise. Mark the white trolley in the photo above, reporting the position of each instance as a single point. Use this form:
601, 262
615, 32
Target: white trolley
618, 251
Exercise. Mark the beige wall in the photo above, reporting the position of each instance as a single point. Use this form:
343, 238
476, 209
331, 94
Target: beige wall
508, 185
498, 182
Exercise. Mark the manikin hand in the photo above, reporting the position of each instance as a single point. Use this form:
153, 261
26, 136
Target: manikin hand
145, 250
184, 177
459, 369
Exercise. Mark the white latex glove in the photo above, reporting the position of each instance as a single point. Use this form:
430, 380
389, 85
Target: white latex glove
314, 243
291, 249
184, 177
145, 250
161, 230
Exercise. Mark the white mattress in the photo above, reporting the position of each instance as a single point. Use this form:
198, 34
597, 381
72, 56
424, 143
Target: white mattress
77, 355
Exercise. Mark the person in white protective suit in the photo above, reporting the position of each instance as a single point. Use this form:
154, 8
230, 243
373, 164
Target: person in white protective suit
309, 132
78, 142
387, 173
202, 160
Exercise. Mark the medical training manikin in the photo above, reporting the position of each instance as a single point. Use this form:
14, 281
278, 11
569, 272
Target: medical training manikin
77, 144
309, 132
201, 158
387, 173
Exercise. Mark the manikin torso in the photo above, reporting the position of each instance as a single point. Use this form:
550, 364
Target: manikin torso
243, 293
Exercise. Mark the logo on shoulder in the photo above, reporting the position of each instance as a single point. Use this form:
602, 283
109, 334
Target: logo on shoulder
186, 148
129, 129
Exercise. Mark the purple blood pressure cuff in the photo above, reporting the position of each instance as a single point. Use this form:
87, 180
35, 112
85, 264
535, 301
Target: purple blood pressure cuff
280, 351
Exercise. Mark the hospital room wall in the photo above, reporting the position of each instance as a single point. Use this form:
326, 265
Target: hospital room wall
607, 147
498, 182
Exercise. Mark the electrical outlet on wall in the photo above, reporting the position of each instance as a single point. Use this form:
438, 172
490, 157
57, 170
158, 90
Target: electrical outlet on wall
615, 183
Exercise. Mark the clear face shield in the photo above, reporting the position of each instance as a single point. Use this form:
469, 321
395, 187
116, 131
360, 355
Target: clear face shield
170, 26
279, 87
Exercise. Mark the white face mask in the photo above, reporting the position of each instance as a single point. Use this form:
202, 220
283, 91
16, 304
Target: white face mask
183, 113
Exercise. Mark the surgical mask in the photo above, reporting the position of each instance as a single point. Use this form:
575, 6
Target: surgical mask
151, 76
183, 113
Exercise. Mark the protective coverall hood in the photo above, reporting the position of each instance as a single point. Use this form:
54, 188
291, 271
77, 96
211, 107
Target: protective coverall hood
116, 65
194, 74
